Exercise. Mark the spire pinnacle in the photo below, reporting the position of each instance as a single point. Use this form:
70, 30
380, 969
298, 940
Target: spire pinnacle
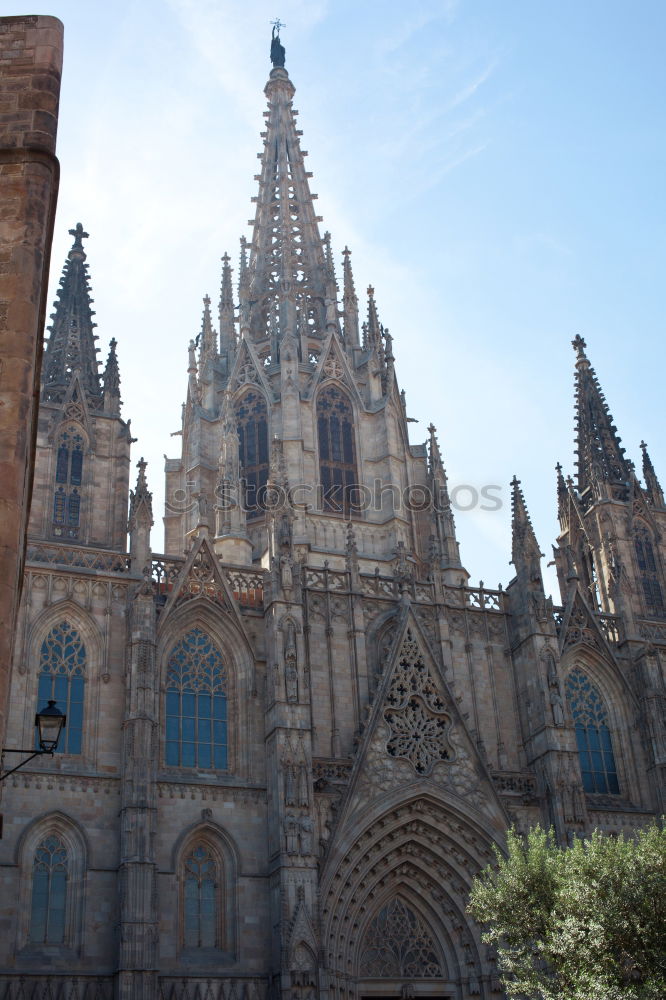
349, 302
227, 326
525, 552
288, 275
653, 488
207, 337
601, 462
71, 342
111, 379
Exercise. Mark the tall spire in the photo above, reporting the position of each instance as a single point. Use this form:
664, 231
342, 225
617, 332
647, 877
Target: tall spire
227, 328
288, 272
349, 302
444, 534
71, 343
601, 462
525, 552
655, 494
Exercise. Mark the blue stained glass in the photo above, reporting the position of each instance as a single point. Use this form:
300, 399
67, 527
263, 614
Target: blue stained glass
195, 697
593, 738
220, 758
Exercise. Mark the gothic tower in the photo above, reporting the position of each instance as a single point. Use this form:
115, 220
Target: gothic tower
297, 735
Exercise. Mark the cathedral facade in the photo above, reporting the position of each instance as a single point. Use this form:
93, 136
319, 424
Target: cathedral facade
294, 738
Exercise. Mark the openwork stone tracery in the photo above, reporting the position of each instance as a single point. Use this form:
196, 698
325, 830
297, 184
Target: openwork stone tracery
398, 944
416, 717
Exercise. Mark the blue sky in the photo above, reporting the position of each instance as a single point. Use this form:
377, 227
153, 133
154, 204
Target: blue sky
496, 168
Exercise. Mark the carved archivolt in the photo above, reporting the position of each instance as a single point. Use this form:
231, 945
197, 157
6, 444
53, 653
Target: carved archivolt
397, 944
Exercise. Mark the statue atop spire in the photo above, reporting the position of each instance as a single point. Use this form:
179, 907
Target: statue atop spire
277, 48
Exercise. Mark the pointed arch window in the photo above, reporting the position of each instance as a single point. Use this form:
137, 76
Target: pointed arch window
201, 905
196, 704
649, 573
62, 664
68, 477
398, 945
252, 424
337, 452
595, 746
49, 892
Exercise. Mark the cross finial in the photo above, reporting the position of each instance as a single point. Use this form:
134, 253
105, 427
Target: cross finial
643, 446
79, 234
277, 24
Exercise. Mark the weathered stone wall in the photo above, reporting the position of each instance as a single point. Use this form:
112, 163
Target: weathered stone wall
30, 68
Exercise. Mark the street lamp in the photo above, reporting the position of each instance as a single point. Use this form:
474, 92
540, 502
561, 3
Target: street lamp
50, 722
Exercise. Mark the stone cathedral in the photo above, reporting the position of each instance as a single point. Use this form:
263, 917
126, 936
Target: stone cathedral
294, 737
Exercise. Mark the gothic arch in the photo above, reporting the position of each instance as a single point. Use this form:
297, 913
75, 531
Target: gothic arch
238, 660
649, 569
221, 853
85, 625
252, 414
73, 838
379, 641
421, 850
338, 449
620, 705
379, 928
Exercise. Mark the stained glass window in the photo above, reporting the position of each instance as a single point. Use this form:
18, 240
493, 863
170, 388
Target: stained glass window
252, 423
200, 903
398, 945
595, 747
62, 664
69, 476
337, 451
196, 704
647, 567
49, 892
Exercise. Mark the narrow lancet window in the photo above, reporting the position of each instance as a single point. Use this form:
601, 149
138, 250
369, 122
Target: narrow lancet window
49, 892
196, 704
200, 899
595, 747
68, 477
62, 664
252, 423
649, 574
337, 452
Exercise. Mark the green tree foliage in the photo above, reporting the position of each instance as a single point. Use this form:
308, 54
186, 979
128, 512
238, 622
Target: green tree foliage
586, 922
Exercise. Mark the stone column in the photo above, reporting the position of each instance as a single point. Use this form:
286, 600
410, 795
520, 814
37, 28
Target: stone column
30, 67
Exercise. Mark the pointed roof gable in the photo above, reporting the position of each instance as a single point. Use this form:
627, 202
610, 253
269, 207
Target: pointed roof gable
601, 462
287, 270
416, 732
71, 342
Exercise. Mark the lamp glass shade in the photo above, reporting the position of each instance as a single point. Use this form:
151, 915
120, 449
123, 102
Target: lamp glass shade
50, 722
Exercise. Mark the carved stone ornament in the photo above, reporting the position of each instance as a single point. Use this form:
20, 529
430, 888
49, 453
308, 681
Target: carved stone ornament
398, 945
416, 713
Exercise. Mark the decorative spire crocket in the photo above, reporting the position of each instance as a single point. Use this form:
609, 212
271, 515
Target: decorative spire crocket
602, 466
525, 553
288, 280
111, 379
70, 346
655, 494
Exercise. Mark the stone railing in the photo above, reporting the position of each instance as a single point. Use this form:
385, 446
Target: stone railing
68, 987
246, 583
78, 557
652, 631
515, 783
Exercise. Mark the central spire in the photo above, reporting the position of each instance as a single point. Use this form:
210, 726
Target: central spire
287, 270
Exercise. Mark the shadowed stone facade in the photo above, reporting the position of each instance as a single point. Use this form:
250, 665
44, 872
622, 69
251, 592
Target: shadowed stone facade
295, 738
30, 68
